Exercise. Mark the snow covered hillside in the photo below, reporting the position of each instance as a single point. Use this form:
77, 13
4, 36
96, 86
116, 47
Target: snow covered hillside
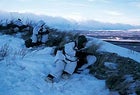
28, 55
25, 75
105, 46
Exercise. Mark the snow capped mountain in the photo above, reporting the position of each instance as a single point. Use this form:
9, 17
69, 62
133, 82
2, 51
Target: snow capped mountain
67, 24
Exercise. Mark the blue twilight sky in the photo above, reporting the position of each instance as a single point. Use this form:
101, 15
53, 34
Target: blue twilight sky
114, 11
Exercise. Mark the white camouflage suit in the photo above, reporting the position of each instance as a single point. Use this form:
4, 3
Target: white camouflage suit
40, 27
59, 64
71, 60
67, 62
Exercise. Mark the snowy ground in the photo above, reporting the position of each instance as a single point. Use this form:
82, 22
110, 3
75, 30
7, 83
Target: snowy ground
25, 75
108, 47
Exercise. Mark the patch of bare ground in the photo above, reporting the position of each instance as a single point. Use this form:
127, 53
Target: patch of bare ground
121, 74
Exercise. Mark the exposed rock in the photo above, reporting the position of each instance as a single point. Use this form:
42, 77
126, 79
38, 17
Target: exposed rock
111, 65
114, 93
121, 74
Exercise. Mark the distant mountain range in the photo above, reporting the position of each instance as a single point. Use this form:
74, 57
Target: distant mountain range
65, 24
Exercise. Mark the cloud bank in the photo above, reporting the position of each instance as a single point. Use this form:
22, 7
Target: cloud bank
65, 24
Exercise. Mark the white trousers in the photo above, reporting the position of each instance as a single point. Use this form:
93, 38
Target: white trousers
57, 69
70, 67
61, 66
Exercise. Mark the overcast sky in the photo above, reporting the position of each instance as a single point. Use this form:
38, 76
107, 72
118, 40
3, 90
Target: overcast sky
114, 11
